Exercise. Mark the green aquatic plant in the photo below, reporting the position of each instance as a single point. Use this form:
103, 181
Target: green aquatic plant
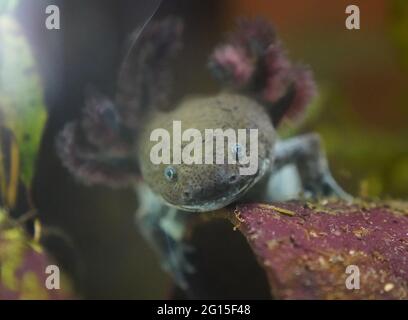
21, 96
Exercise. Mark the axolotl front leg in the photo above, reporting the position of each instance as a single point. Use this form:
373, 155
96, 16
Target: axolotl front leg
306, 154
164, 227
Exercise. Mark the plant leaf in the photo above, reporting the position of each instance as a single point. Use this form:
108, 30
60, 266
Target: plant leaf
22, 108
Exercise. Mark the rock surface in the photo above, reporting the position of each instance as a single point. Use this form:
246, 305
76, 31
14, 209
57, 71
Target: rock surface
306, 249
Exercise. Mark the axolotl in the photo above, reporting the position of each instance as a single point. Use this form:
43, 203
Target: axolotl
112, 142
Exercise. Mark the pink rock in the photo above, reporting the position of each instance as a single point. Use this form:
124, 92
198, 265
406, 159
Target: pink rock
305, 249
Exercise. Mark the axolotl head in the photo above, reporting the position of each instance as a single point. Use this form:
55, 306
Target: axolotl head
207, 152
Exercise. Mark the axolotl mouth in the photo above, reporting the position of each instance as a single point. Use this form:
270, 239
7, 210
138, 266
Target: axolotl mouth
224, 198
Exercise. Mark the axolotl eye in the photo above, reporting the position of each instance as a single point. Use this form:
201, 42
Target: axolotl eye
170, 173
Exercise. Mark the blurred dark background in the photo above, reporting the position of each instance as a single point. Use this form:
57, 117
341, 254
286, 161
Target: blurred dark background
361, 112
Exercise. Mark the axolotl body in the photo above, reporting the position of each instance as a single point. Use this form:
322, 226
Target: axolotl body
112, 143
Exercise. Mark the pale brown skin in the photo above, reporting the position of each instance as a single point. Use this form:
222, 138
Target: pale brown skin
204, 187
